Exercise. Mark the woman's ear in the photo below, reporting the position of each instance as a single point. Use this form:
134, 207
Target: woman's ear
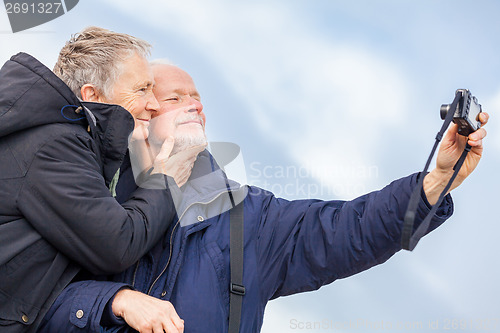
90, 94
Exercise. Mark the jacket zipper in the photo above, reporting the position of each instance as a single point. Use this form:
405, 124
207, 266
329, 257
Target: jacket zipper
171, 238
135, 272
168, 261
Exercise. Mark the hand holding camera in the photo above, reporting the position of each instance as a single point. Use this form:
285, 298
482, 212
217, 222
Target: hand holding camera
459, 154
467, 129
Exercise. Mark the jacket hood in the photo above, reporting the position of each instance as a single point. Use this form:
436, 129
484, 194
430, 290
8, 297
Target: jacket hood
32, 95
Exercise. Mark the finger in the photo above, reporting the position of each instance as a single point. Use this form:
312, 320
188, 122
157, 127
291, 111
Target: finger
476, 144
179, 323
182, 177
187, 154
158, 328
143, 130
478, 135
483, 118
140, 132
169, 327
202, 147
195, 150
166, 149
451, 135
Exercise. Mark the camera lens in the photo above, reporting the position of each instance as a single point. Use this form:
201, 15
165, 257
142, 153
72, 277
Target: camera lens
444, 110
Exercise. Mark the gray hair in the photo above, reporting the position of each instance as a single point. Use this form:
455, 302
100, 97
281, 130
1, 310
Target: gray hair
94, 56
161, 61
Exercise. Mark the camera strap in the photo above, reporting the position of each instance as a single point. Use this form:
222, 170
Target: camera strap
236, 251
409, 241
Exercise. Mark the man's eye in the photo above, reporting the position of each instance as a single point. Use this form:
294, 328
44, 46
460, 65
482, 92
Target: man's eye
173, 99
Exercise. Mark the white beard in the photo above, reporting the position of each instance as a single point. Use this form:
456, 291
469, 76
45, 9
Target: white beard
185, 141
184, 137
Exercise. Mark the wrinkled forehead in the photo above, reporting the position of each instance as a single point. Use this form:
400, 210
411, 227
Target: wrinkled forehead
169, 78
134, 71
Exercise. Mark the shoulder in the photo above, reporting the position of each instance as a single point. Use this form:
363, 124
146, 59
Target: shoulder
57, 139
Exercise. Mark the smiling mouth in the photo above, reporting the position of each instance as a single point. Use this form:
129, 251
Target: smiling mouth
191, 122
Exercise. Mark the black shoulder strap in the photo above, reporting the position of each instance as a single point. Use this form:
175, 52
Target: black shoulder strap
409, 241
236, 287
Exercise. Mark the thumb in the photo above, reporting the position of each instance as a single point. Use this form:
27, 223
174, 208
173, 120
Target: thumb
166, 148
140, 133
145, 131
451, 135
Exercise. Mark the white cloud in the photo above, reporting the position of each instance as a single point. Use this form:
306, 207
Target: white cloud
434, 283
492, 106
42, 45
319, 99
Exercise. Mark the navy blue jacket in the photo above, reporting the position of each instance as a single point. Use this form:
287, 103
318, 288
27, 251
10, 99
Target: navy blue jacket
57, 159
290, 247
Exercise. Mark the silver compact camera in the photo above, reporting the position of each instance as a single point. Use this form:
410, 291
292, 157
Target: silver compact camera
466, 114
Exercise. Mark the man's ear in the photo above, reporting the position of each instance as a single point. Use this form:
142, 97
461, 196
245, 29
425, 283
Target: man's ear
90, 94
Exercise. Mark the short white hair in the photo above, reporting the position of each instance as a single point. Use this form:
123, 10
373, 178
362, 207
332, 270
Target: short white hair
94, 56
162, 61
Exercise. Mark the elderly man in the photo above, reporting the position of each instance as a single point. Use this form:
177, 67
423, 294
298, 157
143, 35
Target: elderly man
58, 158
289, 246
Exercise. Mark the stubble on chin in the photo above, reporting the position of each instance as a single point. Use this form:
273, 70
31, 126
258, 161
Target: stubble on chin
185, 141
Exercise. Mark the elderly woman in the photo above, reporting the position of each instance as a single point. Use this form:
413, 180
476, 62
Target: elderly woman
62, 140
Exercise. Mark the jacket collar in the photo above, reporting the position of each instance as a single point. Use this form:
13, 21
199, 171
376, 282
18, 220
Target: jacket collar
110, 126
207, 193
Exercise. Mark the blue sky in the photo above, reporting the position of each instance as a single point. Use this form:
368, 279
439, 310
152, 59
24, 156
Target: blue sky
332, 99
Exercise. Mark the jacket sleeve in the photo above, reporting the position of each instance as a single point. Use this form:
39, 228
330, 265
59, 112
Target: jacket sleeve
65, 198
305, 244
81, 307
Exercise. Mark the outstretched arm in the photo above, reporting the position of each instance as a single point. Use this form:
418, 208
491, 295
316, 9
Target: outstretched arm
305, 244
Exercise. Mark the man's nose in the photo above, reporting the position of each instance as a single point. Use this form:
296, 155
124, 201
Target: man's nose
152, 103
196, 106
